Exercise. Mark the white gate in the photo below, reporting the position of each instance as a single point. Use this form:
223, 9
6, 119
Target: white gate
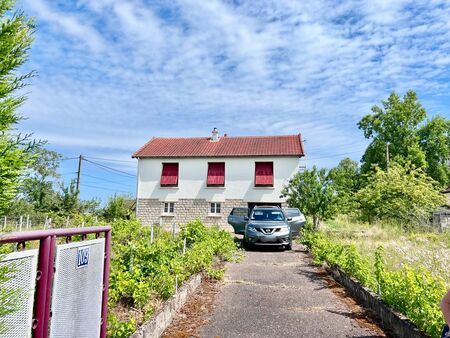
77, 290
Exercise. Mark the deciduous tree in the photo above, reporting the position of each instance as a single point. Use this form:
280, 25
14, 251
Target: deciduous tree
435, 141
394, 124
404, 193
345, 178
313, 193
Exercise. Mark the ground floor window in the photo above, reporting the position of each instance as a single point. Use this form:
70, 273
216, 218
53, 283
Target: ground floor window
215, 208
169, 207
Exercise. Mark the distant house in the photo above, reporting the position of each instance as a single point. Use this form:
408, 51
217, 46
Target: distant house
180, 179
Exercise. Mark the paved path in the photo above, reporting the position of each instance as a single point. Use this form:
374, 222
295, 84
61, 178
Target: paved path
278, 294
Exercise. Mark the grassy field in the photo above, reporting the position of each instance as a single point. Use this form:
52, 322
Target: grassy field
407, 268
419, 248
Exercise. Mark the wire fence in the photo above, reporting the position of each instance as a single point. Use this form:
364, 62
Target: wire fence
33, 222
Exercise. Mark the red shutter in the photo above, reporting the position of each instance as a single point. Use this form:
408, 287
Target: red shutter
169, 175
264, 173
216, 174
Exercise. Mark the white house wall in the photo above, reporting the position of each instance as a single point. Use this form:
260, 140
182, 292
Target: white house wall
239, 179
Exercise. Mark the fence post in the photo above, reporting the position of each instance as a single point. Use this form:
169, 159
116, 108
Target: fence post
105, 284
20, 223
173, 230
28, 221
4, 226
42, 303
151, 234
176, 283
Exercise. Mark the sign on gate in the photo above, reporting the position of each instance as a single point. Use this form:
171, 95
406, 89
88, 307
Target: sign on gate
77, 289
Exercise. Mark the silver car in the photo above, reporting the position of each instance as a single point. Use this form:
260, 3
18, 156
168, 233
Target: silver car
265, 226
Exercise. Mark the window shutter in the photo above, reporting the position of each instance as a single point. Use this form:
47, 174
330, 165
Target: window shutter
264, 173
216, 174
169, 175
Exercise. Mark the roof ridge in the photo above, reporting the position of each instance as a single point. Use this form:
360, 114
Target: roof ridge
228, 136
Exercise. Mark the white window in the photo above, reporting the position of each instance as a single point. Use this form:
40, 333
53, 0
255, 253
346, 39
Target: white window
169, 207
215, 208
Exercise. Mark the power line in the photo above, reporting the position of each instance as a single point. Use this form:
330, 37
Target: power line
72, 173
101, 188
69, 158
107, 168
106, 180
335, 155
109, 159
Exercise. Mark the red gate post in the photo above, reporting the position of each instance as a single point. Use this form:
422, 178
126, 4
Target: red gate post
48, 296
42, 277
105, 284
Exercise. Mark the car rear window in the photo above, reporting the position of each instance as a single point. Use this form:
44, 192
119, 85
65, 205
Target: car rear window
292, 212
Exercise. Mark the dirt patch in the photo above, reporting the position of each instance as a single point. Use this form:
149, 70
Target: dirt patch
195, 312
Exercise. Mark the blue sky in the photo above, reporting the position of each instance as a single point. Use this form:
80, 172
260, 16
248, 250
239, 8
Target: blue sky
112, 74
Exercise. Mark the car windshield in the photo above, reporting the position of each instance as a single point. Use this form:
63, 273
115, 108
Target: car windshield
267, 215
292, 212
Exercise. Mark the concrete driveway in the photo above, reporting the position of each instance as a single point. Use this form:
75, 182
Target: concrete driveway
274, 293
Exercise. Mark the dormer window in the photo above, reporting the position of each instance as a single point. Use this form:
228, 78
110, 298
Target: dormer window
169, 175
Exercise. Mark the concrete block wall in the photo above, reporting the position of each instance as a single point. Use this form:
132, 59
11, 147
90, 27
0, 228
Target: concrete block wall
151, 211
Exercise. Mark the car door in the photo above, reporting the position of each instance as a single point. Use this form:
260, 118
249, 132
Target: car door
295, 220
238, 218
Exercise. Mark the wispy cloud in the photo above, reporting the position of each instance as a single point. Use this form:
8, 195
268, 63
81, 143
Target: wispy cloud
118, 72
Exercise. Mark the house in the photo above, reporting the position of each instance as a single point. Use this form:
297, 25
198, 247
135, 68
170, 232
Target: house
180, 179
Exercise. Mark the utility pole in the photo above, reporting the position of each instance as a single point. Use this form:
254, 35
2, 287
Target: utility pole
80, 159
387, 156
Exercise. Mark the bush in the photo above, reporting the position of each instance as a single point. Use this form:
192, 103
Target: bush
413, 292
143, 274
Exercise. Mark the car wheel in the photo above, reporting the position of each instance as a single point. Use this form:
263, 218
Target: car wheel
289, 246
246, 245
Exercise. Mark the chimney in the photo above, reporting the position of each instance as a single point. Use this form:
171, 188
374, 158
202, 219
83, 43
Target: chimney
215, 135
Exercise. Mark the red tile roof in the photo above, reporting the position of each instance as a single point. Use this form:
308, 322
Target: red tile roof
283, 145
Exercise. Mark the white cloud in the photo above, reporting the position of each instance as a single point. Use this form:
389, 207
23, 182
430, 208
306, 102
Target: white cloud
182, 67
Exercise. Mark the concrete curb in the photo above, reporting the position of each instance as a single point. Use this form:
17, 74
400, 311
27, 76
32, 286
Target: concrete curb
391, 320
155, 326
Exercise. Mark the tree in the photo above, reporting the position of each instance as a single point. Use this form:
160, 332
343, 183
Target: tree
345, 178
404, 193
313, 193
435, 141
118, 207
38, 185
395, 125
15, 149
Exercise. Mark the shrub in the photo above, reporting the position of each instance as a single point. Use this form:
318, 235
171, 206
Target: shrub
142, 273
413, 292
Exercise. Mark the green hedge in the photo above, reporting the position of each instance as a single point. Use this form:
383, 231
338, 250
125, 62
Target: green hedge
143, 274
413, 292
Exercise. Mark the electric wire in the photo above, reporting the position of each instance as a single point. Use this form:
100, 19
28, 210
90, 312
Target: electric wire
335, 155
101, 188
106, 180
114, 170
109, 159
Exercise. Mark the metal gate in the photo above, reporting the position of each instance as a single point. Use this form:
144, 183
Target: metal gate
68, 290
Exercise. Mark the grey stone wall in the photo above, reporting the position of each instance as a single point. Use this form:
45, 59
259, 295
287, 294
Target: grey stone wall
151, 211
